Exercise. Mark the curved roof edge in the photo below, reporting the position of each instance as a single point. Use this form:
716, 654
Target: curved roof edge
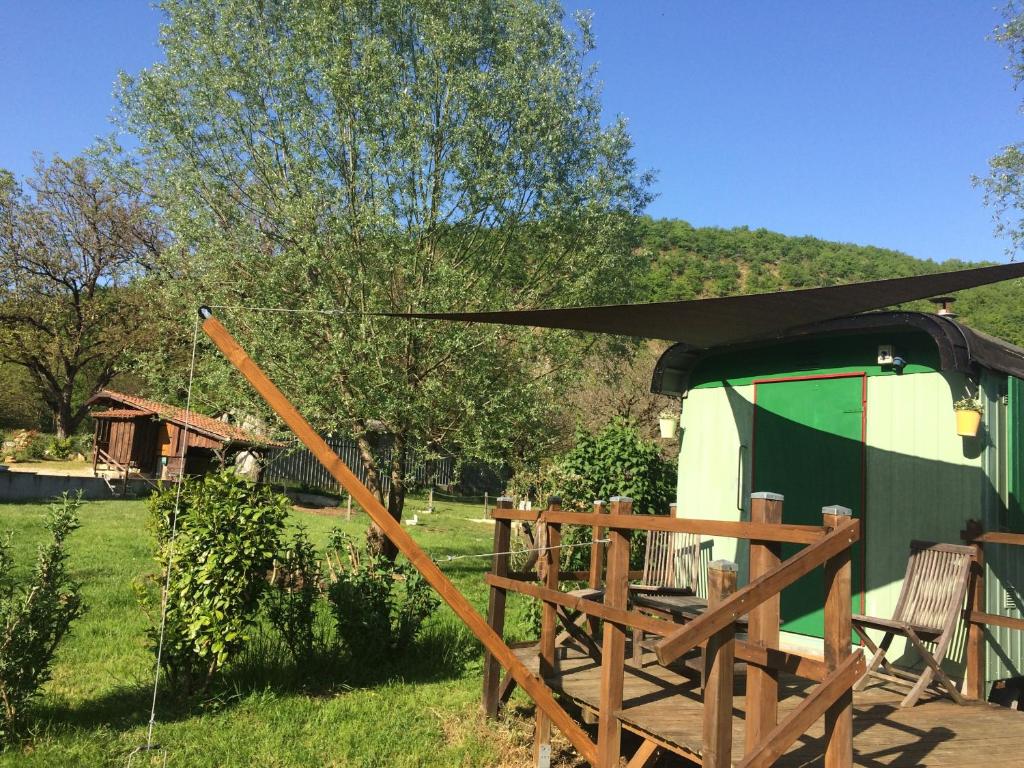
960, 348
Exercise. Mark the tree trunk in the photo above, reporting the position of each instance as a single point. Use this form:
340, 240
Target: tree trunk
396, 499
64, 421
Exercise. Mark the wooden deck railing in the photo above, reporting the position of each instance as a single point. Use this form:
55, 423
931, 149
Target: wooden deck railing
977, 618
99, 454
714, 631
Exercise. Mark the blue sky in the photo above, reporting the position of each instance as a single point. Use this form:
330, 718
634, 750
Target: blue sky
861, 122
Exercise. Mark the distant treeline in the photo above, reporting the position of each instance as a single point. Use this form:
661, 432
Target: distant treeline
689, 262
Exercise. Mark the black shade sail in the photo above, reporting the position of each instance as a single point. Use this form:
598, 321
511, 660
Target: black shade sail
705, 323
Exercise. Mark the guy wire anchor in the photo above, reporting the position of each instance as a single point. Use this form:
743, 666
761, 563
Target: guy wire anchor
157, 752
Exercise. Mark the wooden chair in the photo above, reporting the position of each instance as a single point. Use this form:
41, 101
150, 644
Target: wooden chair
927, 611
672, 568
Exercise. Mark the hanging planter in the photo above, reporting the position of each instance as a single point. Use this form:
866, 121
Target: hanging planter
968, 416
668, 422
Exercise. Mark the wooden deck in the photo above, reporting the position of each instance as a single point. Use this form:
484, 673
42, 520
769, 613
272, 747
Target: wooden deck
664, 706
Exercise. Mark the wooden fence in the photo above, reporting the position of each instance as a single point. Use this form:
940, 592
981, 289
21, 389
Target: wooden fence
714, 631
299, 466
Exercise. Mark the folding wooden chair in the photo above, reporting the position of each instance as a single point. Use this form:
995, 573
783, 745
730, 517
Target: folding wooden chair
672, 567
928, 611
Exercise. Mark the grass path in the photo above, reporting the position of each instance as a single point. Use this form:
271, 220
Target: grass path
423, 712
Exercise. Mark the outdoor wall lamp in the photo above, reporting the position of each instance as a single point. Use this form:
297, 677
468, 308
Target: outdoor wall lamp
668, 423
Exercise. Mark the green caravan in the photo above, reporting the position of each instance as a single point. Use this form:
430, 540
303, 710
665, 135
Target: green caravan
858, 412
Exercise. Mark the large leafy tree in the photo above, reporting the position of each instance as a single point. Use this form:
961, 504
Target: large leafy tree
380, 156
1004, 185
70, 247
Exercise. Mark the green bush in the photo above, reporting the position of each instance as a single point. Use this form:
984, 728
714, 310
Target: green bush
60, 448
292, 598
228, 531
379, 605
34, 616
616, 461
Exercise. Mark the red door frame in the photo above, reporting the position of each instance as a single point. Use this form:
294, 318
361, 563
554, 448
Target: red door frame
863, 457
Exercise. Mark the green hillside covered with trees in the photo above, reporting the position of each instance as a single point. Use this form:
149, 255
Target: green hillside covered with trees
688, 262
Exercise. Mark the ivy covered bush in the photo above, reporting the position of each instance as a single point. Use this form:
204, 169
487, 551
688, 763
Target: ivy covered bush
35, 614
228, 534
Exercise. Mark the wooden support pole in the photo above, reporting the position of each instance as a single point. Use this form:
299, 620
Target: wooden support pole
597, 551
838, 626
719, 657
550, 559
974, 686
613, 647
763, 683
394, 530
496, 609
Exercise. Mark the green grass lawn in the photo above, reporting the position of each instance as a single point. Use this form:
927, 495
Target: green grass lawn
423, 711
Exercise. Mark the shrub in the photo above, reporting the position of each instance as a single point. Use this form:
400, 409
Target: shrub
379, 605
617, 461
228, 531
35, 616
292, 598
60, 448
29, 445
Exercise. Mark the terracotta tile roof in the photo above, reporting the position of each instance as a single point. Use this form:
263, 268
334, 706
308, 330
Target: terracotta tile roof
118, 413
216, 428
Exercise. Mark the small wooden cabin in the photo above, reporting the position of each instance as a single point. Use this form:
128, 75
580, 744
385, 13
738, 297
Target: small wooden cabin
136, 435
859, 412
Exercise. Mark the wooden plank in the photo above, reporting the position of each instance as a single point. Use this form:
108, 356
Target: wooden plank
757, 591
980, 617
549, 566
800, 719
838, 626
613, 647
394, 530
521, 515
496, 612
719, 655
974, 687
1001, 537
644, 754
794, 534
597, 551
763, 625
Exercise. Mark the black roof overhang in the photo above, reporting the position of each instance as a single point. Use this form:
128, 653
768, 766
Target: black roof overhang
961, 349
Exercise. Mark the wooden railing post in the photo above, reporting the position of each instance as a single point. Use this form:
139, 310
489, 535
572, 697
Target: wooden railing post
974, 687
496, 608
762, 682
613, 647
597, 551
549, 560
838, 626
719, 656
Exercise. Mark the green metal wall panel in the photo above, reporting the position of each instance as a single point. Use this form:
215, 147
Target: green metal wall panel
1004, 565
